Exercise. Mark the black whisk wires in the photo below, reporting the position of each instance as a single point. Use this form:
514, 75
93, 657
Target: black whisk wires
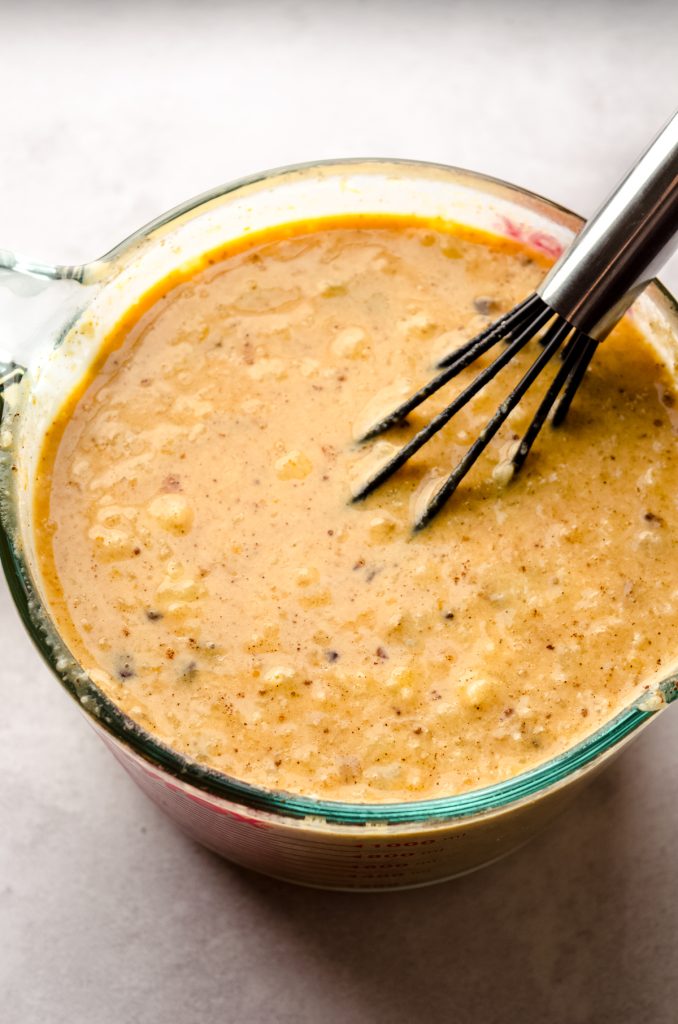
516, 329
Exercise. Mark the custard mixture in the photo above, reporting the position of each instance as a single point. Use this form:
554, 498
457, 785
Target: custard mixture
203, 561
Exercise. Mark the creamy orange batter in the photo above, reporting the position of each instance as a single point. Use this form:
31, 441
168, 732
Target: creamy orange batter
203, 562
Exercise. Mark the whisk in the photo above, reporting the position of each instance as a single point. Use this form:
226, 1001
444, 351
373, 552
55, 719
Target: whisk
580, 300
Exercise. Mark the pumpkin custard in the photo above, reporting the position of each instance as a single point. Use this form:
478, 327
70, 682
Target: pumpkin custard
203, 562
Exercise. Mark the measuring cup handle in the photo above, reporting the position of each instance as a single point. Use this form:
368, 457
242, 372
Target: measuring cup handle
10, 261
10, 373
36, 300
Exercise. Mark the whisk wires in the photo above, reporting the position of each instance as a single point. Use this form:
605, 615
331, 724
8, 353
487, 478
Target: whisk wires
516, 328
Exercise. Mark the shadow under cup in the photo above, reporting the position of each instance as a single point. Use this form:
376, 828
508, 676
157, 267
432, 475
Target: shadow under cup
57, 319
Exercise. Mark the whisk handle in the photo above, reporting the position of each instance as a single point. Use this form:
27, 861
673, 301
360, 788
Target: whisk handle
623, 245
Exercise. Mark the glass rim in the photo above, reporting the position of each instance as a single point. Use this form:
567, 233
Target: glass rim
108, 716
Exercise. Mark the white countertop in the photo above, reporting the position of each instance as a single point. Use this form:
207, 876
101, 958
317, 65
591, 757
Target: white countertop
108, 914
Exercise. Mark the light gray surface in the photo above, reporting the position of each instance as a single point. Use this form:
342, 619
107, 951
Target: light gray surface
111, 114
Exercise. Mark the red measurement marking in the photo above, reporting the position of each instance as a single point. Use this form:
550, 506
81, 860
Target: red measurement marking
542, 241
511, 229
545, 243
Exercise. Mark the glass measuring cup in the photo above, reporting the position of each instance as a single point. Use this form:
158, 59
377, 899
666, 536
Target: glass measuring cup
55, 319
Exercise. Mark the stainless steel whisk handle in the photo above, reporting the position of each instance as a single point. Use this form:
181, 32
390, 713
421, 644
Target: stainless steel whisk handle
623, 245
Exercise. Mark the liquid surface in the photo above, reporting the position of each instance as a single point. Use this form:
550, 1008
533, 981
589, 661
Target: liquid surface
202, 560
